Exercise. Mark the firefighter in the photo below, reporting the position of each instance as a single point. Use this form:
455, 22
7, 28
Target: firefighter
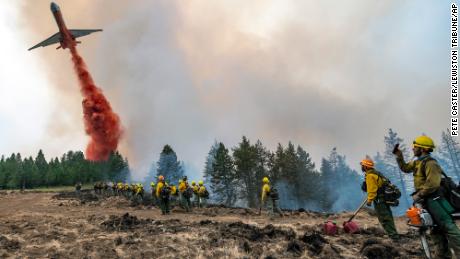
126, 190
203, 195
174, 195
195, 188
139, 192
163, 191
78, 188
185, 194
269, 198
427, 182
374, 182
114, 188
119, 188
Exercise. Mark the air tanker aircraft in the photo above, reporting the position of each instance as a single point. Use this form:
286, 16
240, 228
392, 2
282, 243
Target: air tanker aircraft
65, 36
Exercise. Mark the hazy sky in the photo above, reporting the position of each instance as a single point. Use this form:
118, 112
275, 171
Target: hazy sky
185, 73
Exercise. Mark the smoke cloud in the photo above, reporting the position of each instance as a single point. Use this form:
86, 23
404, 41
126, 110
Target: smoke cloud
319, 74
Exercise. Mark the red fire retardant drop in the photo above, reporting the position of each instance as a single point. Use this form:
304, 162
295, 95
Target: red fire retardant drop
101, 123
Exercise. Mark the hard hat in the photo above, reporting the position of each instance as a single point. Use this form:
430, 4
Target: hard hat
161, 178
193, 183
423, 142
180, 181
265, 180
367, 162
200, 182
152, 184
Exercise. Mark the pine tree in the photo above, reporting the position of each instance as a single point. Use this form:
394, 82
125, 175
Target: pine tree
32, 177
327, 177
340, 183
277, 164
118, 167
306, 184
350, 194
448, 154
245, 163
169, 166
208, 170
223, 178
3, 173
262, 167
14, 166
42, 167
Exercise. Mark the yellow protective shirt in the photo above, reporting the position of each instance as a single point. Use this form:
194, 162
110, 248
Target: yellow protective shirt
424, 183
173, 190
265, 191
159, 187
201, 190
373, 183
196, 188
182, 187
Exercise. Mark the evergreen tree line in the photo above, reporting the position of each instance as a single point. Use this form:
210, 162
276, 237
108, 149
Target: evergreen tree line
235, 177
24, 173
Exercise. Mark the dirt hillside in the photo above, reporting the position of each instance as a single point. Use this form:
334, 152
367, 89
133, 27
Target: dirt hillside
47, 225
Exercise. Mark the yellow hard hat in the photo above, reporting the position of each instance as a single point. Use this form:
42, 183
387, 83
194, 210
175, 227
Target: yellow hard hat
265, 180
200, 182
193, 183
152, 184
424, 142
367, 162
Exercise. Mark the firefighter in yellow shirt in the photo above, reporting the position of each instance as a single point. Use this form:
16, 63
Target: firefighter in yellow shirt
269, 198
203, 195
427, 182
119, 188
163, 192
173, 197
374, 181
185, 194
195, 188
139, 192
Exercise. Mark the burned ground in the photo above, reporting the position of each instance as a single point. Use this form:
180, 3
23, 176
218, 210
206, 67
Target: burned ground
65, 225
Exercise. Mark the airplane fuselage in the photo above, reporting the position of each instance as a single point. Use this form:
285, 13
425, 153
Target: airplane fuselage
66, 38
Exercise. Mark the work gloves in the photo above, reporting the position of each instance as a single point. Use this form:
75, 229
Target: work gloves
396, 151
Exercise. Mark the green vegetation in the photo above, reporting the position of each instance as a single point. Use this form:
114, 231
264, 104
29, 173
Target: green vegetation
72, 167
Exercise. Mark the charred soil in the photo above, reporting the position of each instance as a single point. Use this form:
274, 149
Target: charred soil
67, 225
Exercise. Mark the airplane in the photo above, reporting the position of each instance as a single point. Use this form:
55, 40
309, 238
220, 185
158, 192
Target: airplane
65, 37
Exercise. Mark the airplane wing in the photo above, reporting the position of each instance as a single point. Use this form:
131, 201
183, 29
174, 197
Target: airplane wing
56, 38
81, 33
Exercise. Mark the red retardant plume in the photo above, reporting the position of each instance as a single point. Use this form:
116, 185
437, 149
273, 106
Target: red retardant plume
101, 123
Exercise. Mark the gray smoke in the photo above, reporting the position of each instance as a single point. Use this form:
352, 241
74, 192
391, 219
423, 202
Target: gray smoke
327, 74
